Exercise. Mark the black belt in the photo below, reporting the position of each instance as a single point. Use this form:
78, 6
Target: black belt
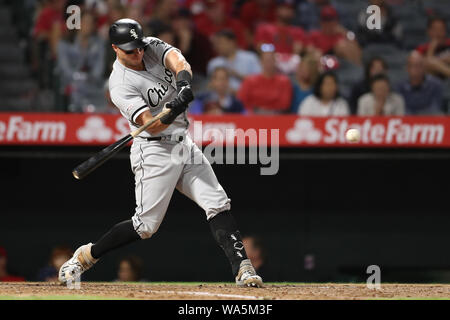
165, 138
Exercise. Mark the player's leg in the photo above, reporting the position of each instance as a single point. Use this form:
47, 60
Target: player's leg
155, 180
199, 183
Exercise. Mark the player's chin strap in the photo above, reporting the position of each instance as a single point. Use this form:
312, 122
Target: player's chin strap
225, 232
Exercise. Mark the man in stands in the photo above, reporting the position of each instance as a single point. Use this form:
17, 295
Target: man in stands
333, 38
269, 92
239, 63
437, 51
422, 93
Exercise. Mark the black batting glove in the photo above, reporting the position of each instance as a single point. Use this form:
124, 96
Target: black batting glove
184, 89
176, 107
185, 95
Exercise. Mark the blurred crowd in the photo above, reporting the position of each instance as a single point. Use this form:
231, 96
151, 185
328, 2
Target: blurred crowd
306, 57
130, 268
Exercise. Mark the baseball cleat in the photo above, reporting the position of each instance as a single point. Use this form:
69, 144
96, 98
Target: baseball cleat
75, 266
247, 275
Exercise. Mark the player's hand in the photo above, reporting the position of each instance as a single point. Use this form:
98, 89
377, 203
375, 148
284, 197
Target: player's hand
176, 107
184, 90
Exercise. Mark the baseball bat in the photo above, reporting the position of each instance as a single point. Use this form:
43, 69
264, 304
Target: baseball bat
101, 157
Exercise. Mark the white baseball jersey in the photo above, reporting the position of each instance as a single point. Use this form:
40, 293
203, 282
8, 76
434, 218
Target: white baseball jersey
156, 173
134, 92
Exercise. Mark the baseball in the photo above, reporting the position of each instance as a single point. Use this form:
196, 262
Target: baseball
352, 135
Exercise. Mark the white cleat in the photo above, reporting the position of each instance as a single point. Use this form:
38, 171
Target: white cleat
75, 266
247, 276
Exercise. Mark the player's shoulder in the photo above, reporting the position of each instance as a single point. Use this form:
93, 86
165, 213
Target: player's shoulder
155, 42
156, 49
120, 77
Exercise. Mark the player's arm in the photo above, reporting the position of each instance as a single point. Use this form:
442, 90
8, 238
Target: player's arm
146, 116
176, 63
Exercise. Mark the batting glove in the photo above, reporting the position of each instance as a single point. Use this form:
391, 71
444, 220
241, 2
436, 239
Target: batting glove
176, 107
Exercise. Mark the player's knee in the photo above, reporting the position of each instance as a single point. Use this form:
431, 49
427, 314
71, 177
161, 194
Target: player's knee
212, 212
146, 229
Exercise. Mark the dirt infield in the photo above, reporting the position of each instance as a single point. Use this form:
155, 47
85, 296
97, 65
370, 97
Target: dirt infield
35, 290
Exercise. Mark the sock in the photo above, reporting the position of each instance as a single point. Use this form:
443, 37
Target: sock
225, 232
121, 234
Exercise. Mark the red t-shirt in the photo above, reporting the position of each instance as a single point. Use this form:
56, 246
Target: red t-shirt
12, 279
252, 15
258, 91
324, 42
207, 27
423, 48
282, 37
45, 20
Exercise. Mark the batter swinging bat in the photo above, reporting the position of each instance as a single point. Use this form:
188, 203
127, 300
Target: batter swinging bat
101, 157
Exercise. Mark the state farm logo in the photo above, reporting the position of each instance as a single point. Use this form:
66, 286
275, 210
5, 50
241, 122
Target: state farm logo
303, 130
94, 129
384, 131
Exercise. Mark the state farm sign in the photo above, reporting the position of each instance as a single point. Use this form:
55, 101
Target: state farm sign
390, 131
291, 130
16, 128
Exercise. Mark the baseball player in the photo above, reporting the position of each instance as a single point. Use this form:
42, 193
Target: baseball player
149, 76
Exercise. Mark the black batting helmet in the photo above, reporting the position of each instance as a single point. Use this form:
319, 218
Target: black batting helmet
127, 34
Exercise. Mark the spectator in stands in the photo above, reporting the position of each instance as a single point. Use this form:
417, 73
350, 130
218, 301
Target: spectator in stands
333, 38
268, 92
195, 46
46, 34
422, 93
216, 18
305, 78
254, 12
308, 13
4, 274
165, 33
220, 98
135, 11
287, 38
381, 101
115, 11
325, 100
81, 65
290, 41
130, 269
163, 13
58, 256
375, 66
255, 251
391, 29
240, 63
437, 51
